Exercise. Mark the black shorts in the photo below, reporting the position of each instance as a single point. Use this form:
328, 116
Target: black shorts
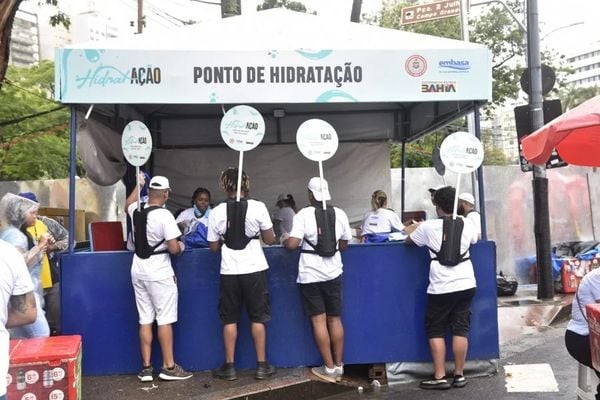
449, 309
322, 297
252, 290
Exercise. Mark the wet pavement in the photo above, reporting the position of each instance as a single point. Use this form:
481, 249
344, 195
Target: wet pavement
531, 332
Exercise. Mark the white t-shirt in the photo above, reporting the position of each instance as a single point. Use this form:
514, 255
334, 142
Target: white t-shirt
381, 221
588, 293
286, 216
475, 218
161, 225
443, 279
14, 281
188, 214
313, 267
251, 258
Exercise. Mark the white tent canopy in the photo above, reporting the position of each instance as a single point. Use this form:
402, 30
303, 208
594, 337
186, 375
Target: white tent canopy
371, 84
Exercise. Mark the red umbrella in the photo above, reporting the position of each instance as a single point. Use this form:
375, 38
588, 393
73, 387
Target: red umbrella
575, 135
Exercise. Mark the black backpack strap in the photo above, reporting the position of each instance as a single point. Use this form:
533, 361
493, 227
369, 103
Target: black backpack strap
235, 232
313, 251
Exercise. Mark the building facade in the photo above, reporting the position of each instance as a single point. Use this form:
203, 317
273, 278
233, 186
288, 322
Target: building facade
586, 63
25, 40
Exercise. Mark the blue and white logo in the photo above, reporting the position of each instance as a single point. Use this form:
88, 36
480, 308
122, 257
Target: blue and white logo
454, 66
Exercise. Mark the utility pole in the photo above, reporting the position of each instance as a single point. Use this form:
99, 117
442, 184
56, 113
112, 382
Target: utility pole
355, 14
540, 181
140, 18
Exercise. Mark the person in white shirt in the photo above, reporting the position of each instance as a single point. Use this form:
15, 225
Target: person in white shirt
234, 228
577, 335
17, 302
449, 294
200, 209
153, 278
466, 208
380, 220
320, 277
284, 216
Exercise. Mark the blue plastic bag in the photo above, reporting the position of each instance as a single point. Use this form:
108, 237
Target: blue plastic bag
197, 238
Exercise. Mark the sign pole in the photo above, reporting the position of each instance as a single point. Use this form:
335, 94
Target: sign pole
321, 177
137, 186
239, 177
454, 211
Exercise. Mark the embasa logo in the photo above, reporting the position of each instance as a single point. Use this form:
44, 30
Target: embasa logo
452, 65
415, 65
438, 87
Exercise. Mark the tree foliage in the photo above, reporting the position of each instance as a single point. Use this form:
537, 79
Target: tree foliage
32, 147
290, 5
571, 97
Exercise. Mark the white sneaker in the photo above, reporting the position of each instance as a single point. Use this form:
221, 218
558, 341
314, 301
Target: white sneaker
329, 375
339, 372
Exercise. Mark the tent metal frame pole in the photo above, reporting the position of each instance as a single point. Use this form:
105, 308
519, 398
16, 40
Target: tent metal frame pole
480, 186
72, 169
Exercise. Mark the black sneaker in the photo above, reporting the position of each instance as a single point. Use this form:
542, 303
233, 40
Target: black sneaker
225, 372
264, 370
459, 381
435, 384
145, 374
176, 373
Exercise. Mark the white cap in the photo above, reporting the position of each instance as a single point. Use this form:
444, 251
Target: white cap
159, 182
314, 185
468, 197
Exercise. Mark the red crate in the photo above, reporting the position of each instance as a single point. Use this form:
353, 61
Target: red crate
45, 368
593, 315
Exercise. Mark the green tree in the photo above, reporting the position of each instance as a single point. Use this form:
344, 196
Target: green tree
34, 140
8, 9
571, 96
290, 5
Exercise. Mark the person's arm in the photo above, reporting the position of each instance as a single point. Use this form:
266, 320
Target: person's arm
58, 232
268, 236
34, 255
133, 196
292, 243
293, 240
213, 236
175, 247
342, 245
21, 310
346, 230
409, 229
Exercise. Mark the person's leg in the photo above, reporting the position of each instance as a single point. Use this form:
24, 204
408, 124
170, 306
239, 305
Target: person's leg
259, 336
336, 334
146, 343
438, 353
147, 316
165, 339
321, 334
255, 295
460, 345
229, 339
52, 300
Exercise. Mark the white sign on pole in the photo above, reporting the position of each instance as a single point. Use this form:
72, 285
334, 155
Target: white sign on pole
461, 152
317, 140
242, 128
136, 143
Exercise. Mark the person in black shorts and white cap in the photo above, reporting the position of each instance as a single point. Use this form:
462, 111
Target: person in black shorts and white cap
244, 279
153, 278
320, 278
449, 294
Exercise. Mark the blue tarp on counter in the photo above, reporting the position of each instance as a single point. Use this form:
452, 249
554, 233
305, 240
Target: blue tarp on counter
384, 289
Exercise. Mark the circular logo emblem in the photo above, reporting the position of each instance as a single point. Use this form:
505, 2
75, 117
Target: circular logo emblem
416, 65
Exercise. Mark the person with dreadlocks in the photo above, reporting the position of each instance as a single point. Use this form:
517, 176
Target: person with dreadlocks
234, 227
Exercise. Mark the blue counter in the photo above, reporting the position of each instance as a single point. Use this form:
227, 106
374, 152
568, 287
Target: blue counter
384, 305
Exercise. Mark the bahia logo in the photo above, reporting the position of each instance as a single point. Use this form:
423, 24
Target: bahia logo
454, 66
438, 87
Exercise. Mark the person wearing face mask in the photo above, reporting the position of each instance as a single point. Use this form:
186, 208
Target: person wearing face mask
200, 209
16, 215
466, 208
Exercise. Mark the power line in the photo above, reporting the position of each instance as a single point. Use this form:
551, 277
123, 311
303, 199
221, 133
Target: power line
11, 83
26, 117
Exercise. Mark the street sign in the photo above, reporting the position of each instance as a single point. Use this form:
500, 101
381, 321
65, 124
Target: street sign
430, 11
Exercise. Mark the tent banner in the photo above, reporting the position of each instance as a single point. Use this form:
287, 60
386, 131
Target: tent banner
302, 76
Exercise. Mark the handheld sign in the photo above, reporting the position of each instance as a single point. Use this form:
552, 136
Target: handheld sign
242, 129
136, 143
317, 140
461, 152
